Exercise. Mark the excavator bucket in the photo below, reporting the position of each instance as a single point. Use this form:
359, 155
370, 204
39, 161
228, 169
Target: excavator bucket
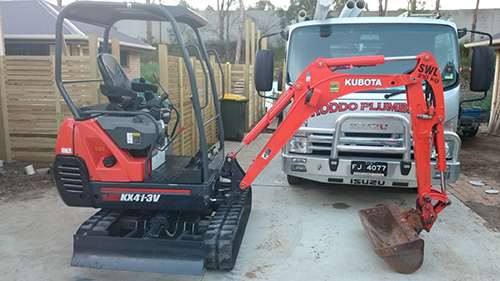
393, 237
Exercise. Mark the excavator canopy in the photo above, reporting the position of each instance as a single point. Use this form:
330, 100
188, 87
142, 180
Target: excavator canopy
105, 14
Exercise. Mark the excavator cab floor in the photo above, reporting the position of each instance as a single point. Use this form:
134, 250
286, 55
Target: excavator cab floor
393, 238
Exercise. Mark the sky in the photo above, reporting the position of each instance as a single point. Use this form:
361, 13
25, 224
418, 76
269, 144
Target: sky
373, 4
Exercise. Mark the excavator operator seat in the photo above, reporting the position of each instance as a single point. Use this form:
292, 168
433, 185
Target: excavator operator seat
117, 86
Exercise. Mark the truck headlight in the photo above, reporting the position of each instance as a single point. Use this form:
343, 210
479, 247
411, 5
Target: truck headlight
298, 143
448, 149
451, 125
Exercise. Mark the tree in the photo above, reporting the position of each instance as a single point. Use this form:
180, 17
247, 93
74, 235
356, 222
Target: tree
59, 3
415, 5
296, 6
263, 5
473, 27
240, 31
474, 21
223, 7
382, 10
149, 32
412, 6
438, 6
184, 3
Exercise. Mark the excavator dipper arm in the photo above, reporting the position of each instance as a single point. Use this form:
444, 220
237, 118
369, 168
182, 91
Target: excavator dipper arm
320, 84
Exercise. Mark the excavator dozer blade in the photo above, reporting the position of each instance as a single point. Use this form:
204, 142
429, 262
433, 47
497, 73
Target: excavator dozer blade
393, 238
138, 254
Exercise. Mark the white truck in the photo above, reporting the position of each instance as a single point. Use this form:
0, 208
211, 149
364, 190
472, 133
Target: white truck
365, 138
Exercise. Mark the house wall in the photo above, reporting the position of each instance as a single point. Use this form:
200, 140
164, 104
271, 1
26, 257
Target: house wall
134, 65
133, 68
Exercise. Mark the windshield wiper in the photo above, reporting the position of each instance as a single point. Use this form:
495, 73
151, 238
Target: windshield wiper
394, 93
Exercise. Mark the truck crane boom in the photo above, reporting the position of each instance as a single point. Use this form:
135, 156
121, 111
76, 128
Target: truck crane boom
322, 82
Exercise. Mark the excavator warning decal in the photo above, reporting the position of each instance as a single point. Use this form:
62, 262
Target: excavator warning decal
334, 87
266, 154
428, 72
133, 138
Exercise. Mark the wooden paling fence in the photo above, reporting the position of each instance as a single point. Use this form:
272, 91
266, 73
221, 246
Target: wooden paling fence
494, 122
31, 108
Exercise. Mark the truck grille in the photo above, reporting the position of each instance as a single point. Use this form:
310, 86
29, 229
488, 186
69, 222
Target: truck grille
352, 142
356, 144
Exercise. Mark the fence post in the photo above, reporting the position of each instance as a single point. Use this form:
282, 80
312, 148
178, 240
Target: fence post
229, 79
5, 153
180, 62
195, 134
163, 64
57, 95
248, 84
262, 102
494, 121
212, 127
94, 71
115, 48
251, 93
253, 43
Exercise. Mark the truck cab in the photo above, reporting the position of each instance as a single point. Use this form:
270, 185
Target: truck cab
365, 138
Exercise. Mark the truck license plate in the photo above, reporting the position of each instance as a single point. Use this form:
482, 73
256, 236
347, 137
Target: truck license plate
368, 168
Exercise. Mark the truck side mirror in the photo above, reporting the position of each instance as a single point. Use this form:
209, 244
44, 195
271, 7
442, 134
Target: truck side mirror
482, 68
280, 81
461, 32
263, 70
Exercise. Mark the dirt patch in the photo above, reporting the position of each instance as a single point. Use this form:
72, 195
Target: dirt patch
15, 183
480, 159
488, 213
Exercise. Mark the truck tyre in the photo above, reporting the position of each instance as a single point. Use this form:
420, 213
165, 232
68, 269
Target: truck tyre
293, 180
471, 133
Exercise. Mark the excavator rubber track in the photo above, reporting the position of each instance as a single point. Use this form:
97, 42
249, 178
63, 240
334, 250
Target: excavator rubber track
115, 239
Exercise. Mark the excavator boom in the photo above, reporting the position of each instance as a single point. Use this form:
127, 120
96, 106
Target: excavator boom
393, 236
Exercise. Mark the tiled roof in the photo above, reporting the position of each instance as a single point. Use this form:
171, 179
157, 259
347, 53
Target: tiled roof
37, 17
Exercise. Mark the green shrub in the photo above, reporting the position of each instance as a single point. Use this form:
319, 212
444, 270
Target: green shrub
147, 70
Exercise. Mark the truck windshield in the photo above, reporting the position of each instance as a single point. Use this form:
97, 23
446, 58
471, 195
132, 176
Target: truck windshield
352, 40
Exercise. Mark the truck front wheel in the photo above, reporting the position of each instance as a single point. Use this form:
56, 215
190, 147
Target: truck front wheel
293, 180
471, 133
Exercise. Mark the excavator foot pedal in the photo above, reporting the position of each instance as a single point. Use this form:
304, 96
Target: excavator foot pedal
393, 238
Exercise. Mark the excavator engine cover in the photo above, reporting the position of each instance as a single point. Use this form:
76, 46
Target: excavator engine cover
392, 237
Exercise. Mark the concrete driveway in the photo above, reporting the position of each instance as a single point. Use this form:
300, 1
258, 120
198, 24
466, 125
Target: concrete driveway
310, 232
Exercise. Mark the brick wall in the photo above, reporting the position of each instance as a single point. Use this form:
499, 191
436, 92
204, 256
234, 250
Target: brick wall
133, 69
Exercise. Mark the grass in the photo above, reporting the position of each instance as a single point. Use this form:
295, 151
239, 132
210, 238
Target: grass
147, 70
